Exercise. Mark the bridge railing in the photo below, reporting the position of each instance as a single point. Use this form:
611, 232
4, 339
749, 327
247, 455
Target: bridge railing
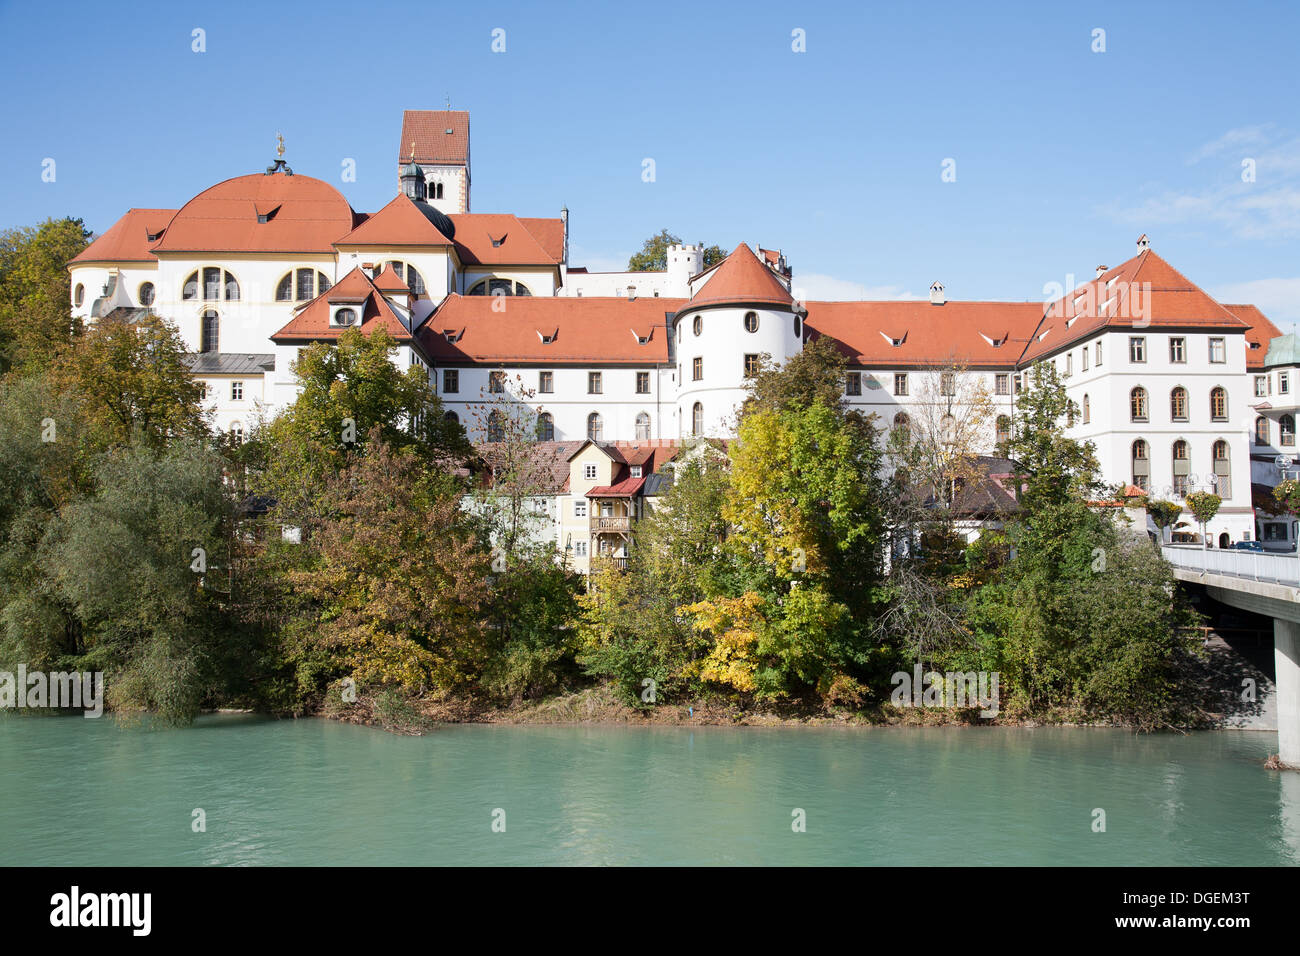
1255, 565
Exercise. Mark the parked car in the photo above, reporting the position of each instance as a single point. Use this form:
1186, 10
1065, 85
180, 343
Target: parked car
1247, 546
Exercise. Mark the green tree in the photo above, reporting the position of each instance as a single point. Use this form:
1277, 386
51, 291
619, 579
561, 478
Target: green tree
1163, 514
813, 374
35, 296
1204, 505
653, 256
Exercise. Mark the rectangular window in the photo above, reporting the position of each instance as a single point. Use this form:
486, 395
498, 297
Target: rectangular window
751, 365
1099, 352
1137, 349
589, 472
450, 381
1002, 383
636, 471
697, 369
1083, 354
1259, 386
1218, 352
900, 383
1284, 383
496, 382
947, 383
212, 283
236, 391
1274, 531
580, 547
853, 383
580, 508
306, 284
1178, 350
1019, 382
1069, 363
643, 383
203, 391
546, 382
593, 383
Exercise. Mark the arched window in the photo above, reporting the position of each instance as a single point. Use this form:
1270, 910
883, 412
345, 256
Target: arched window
1141, 465
1221, 469
901, 421
435, 191
1219, 403
496, 429
1137, 404
146, 293
1287, 426
545, 427
1178, 404
697, 325
1004, 429
643, 426
1182, 467
301, 285
452, 417
214, 282
697, 419
498, 287
751, 321
1261, 430
595, 428
78, 295
209, 328
798, 327
1087, 407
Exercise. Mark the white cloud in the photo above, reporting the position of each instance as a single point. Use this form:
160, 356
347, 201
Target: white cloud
1266, 208
815, 287
1279, 299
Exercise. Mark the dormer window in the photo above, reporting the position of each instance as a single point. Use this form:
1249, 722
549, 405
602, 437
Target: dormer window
895, 341
496, 243
548, 337
636, 471
642, 339
344, 316
452, 335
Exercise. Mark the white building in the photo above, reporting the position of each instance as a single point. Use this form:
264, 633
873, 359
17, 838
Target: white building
1172, 387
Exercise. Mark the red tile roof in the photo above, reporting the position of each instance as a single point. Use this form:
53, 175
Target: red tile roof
627, 488
389, 281
400, 223
741, 279
127, 240
433, 144
590, 329
549, 234
1260, 333
309, 216
965, 333
312, 323
1175, 301
516, 244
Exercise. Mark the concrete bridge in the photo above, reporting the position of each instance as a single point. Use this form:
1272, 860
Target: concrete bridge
1267, 584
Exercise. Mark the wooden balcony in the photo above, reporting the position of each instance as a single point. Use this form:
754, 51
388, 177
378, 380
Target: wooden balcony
616, 523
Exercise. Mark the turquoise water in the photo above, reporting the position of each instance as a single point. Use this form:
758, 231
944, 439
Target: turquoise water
87, 792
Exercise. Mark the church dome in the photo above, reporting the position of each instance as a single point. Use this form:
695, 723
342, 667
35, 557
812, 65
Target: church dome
412, 169
272, 212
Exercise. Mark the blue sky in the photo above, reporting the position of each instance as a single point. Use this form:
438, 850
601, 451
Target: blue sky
1063, 156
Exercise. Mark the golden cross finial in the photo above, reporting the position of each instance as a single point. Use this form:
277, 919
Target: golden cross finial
449, 102
279, 148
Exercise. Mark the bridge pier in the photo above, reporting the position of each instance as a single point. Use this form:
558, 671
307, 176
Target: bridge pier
1286, 657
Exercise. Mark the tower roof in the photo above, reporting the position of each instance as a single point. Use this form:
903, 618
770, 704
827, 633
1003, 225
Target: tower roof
439, 136
742, 278
403, 222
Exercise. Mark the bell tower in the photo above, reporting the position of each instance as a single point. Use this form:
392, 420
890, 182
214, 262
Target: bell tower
436, 142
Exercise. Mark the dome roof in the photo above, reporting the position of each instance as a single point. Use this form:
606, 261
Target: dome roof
270, 212
412, 169
741, 279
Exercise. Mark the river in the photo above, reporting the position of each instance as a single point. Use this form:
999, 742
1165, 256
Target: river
89, 792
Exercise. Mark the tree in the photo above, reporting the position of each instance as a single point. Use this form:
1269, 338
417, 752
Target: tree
35, 296
813, 374
348, 390
400, 584
1163, 514
653, 256
1204, 505
132, 383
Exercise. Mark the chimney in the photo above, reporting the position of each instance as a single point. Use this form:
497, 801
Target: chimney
1101, 271
936, 293
1143, 242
